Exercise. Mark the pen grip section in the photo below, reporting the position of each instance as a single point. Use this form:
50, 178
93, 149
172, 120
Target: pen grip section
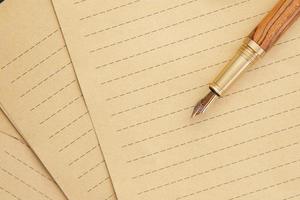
279, 19
246, 55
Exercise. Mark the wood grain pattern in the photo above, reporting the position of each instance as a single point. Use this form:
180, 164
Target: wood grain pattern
280, 18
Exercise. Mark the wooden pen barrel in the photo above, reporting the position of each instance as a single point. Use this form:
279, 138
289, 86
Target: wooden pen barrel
280, 18
261, 40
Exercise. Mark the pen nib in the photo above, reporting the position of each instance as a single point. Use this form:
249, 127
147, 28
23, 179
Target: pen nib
203, 104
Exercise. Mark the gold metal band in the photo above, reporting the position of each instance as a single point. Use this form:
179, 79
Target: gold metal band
246, 56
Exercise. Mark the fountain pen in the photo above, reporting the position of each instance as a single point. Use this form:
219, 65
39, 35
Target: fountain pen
260, 40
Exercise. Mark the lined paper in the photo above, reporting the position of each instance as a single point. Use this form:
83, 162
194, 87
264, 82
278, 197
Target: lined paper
143, 65
22, 176
41, 97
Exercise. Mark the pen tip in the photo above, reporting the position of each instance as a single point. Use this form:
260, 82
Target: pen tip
198, 109
203, 104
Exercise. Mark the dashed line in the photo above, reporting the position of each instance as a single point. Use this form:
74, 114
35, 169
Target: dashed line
292, 197
77, 139
177, 41
164, 81
91, 169
79, 2
38, 64
28, 166
83, 155
196, 123
246, 89
209, 136
140, 18
29, 186
216, 151
159, 100
68, 125
54, 94
110, 196
242, 178
189, 90
98, 184
43, 81
265, 188
61, 109
205, 172
189, 107
154, 119
263, 84
9, 193
275, 62
169, 26
171, 61
186, 74
188, 143
111, 9
28, 50
183, 57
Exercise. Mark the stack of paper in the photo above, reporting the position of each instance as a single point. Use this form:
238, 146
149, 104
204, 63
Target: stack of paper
22, 174
141, 66
40, 95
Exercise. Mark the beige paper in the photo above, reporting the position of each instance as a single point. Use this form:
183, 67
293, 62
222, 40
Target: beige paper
41, 97
6, 128
22, 176
143, 65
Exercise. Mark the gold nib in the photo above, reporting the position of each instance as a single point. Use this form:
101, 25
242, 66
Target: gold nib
203, 104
